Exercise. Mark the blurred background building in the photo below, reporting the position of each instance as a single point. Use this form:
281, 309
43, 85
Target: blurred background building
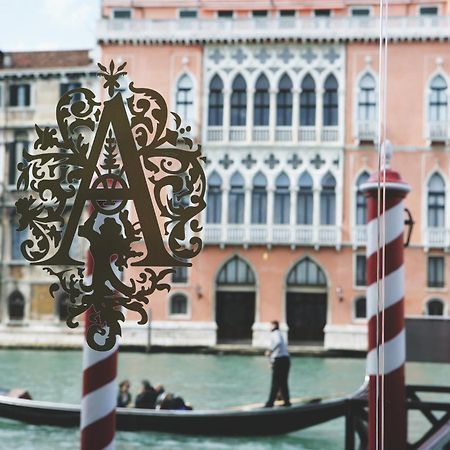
283, 95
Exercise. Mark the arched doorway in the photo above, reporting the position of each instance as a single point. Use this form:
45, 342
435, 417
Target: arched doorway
235, 302
63, 303
306, 302
16, 306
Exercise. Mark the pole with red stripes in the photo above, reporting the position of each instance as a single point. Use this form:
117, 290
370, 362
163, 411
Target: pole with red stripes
385, 192
98, 405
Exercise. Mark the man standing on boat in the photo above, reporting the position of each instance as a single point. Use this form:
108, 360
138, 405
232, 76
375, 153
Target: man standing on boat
280, 362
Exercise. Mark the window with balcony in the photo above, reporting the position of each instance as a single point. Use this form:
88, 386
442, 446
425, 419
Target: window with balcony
330, 101
328, 200
435, 307
322, 12
19, 95
282, 200
361, 201
178, 305
214, 200
367, 108
215, 103
360, 270
187, 13
305, 200
284, 101
360, 12
436, 202
180, 275
236, 199
259, 199
225, 14
308, 102
260, 13
238, 102
287, 13
435, 272
185, 99
438, 109
121, 13
360, 308
428, 10
261, 102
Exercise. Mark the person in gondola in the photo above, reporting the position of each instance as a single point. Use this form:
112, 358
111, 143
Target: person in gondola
124, 397
147, 397
280, 363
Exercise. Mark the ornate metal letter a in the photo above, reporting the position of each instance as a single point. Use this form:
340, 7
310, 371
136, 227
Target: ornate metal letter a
146, 185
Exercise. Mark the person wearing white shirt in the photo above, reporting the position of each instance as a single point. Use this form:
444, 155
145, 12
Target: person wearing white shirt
280, 362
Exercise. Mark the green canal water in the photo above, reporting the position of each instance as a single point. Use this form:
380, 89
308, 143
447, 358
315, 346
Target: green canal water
207, 381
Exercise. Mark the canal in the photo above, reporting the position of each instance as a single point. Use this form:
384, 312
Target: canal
207, 381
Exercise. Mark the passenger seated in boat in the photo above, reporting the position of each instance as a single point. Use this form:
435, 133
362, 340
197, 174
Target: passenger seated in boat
170, 401
124, 397
160, 394
147, 397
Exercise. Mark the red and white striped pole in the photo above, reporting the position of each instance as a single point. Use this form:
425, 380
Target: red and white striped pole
98, 405
385, 310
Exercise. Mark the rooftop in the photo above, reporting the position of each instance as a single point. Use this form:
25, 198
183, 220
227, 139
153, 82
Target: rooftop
44, 59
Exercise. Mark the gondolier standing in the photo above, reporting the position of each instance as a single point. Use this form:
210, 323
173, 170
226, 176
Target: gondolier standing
280, 362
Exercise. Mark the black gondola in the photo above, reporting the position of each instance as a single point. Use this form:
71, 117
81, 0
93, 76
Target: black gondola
238, 422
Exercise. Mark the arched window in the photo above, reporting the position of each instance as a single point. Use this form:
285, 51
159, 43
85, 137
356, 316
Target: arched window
214, 200
361, 201
282, 200
185, 99
236, 199
178, 305
438, 99
261, 105
330, 101
215, 103
308, 102
436, 201
328, 200
63, 303
284, 101
236, 271
306, 273
16, 306
259, 199
366, 99
434, 307
238, 102
360, 311
305, 200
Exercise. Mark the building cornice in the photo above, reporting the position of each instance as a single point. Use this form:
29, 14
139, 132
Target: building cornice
56, 72
270, 30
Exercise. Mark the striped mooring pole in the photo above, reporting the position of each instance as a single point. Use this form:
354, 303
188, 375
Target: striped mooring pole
385, 310
98, 405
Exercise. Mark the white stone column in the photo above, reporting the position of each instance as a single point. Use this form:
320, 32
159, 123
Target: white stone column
272, 114
295, 114
226, 114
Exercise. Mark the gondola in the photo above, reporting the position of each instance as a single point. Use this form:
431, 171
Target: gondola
255, 421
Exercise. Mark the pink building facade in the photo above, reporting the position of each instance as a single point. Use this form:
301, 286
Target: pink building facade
284, 98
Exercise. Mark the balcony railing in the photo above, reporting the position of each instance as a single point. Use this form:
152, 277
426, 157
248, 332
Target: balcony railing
300, 28
307, 134
437, 237
215, 134
367, 131
360, 235
260, 134
283, 134
438, 131
238, 134
330, 134
260, 234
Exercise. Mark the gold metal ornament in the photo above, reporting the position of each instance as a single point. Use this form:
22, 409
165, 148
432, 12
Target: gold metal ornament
143, 175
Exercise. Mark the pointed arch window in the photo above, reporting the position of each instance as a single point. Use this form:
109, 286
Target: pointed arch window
305, 200
306, 273
361, 201
330, 101
238, 102
282, 200
436, 202
236, 198
236, 272
308, 102
214, 201
284, 101
438, 99
215, 102
185, 99
259, 199
261, 102
328, 200
367, 99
